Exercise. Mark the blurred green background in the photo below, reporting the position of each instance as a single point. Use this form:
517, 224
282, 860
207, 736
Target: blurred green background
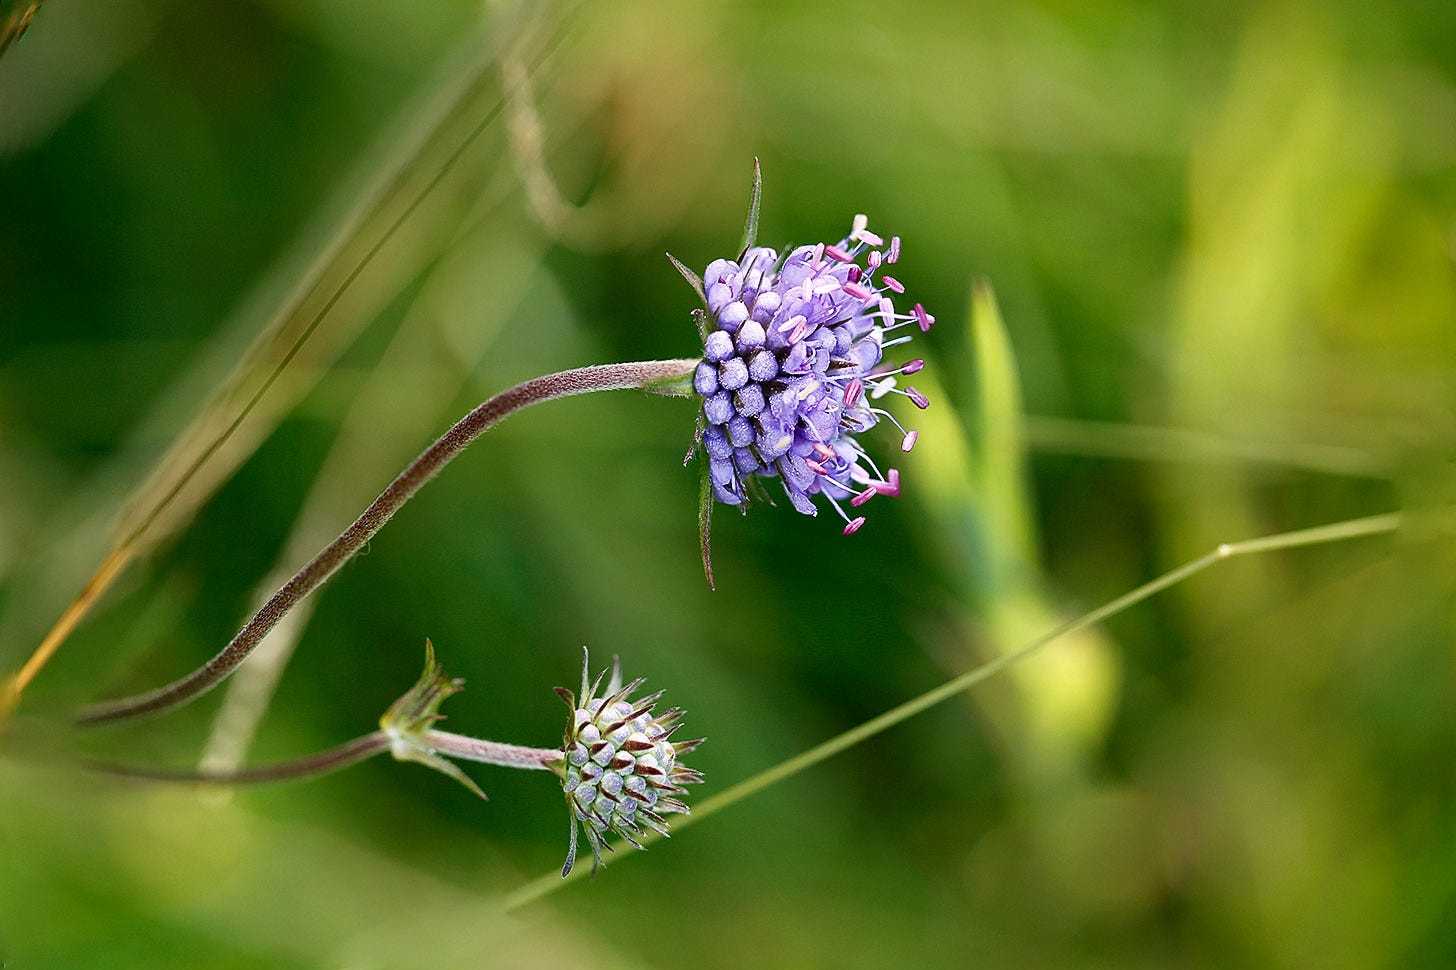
1221, 239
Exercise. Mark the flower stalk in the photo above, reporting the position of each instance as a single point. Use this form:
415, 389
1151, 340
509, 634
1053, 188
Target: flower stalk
310, 766
617, 766
491, 752
660, 376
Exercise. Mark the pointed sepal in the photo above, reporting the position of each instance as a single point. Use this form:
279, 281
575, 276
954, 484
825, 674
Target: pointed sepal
428, 758
694, 280
679, 384
705, 522
419, 708
750, 225
408, 721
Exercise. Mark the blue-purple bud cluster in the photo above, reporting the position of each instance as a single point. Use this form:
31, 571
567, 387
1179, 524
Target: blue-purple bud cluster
793, 369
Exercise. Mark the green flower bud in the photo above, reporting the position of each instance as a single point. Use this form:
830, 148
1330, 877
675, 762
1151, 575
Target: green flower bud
619, 770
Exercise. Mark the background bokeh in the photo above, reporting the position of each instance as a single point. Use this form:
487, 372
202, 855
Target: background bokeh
1221, 241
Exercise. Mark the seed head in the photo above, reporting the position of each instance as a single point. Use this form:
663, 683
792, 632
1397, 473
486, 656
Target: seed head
619, 769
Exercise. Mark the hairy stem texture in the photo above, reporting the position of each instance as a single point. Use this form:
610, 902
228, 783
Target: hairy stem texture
582, 380
350, 753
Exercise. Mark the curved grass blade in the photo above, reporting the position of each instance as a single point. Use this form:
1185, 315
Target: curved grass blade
364, 261
15, 17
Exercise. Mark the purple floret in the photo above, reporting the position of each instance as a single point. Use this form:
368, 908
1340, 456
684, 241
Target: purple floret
793, 368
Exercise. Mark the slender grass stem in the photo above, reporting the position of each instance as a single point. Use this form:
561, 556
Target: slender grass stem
15, 20
416, 166
15, 685
1336, 532
1162, 444
655, 375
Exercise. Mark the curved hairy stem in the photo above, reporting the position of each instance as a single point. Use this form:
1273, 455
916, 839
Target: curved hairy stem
490, 752
346, 754
361, 263
661, 376
343, 756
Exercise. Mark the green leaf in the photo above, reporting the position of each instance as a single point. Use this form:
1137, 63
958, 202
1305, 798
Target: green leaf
998, 435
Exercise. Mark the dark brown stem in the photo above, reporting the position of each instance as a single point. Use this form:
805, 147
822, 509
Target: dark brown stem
350, 753
648, 375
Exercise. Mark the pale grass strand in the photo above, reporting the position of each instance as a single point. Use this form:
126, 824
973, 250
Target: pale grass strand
1152, 443
415, 166
1319, 535
371, 443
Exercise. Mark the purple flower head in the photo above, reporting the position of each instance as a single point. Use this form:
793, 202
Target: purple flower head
794, 368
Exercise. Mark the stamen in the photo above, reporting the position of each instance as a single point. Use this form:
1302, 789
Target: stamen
923, 318
887, 310
909, 441
891, 487
852, 391
855, 274
858, 291
836, 254
851, 525
865, 236
921, 401
862, 497
893, 256
874, 258
891, 283
866, 479
914, 367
